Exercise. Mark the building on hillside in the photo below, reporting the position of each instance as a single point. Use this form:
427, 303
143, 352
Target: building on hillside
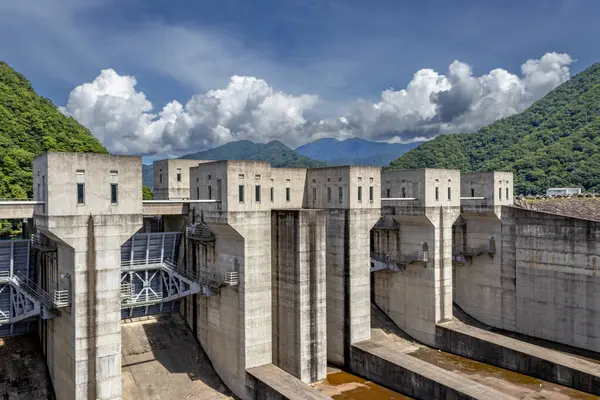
562, 191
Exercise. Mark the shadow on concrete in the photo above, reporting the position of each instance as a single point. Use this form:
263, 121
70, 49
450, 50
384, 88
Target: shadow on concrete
23, 371
161, 356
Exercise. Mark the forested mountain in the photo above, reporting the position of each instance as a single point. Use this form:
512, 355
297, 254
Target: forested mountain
30, 125
275, 152
554, 143
354, 151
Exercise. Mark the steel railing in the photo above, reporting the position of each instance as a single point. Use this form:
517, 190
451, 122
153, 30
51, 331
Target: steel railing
230, 278
201, 233
58, 299
38, 242
401, 258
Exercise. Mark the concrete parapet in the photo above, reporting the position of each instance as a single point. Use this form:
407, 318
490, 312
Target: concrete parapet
269, 382
386, 365
299, 320
516, 355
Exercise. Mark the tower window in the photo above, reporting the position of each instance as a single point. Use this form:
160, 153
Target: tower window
272, 195
314, 194
209, 193
329, 194
80, 193
113, 192
257, 193
340, 194
506, 193
179, 177
388, 193
241, 193
472, 192
449, 193
360, 193
287, 194
437, 193
499, 193
370, 193
403, 192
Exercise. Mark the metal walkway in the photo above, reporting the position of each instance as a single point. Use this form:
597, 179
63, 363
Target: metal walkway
21, 298
152, 282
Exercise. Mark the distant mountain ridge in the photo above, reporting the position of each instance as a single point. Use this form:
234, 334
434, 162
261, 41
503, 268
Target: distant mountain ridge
354, 151
554, 143
274, 152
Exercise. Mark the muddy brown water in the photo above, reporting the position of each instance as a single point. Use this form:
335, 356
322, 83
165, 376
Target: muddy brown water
341, 385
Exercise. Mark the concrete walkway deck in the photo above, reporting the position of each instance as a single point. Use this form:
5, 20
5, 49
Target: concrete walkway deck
162, 360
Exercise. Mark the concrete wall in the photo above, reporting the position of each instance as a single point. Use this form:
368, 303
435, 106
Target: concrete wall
84, 343
557, 283
420, 297
543, 283
348, 225
299, 320
495, 187
166, 182
484, 287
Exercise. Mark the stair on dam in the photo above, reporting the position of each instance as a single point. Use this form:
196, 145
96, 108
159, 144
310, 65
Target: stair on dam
498, 380
23, 371
162, 360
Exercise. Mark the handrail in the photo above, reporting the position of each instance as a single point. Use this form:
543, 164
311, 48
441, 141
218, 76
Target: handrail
13, 202
230, 278
398, 198
180, 201
401, 259
33, 290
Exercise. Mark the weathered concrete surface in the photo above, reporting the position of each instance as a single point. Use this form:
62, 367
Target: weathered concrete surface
162, 360
83, 345
516, 355
23, 372
543, 282
19, 209
509, 383
269, 382
298, 273
387, 360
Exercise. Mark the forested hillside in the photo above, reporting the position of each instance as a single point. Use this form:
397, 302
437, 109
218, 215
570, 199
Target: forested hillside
30, 125
554, 143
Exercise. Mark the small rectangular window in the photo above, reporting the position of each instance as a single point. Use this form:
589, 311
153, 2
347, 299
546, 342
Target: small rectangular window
198, 192
340, 194
388, 193
272, 195
80, 193
499, 193
437, 193
359, 194
449, 193
159, 178
113, 193
314, 195
403, 192
114, 172
241, 193
329, 194
287, 194
506, 193
257, 193
472, 192
371, 193
179, 177
209, 192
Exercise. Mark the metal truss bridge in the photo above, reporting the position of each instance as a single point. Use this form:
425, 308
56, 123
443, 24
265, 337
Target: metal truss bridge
152, 281
21, 298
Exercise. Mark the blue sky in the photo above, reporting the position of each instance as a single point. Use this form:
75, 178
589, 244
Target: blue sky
338, 50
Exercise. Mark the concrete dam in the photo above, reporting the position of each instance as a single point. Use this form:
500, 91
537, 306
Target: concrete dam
243, 281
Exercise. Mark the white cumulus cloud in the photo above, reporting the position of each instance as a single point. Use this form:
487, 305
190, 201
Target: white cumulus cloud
248, 108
